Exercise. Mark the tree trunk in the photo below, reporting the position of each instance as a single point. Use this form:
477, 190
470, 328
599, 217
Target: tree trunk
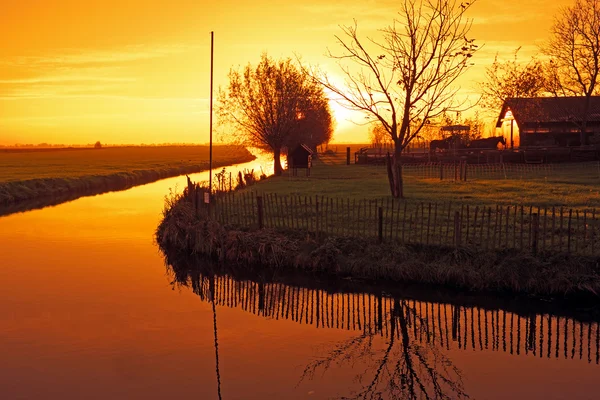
277, 170
394, 167
584, 119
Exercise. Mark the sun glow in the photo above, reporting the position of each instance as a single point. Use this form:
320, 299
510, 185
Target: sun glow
81, 72
342, 114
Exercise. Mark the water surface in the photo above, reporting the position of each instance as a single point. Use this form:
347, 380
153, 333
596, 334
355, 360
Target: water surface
88, 309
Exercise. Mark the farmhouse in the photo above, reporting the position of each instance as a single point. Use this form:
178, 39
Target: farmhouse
549, 121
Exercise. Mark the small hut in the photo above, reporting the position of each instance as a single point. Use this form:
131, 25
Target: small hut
300, 156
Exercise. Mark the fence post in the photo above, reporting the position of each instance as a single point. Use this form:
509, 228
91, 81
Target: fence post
535, 228
317, 218
441, 171
259, 204
347, 155
196, 199
569, 232
380, 225
455, 171
457, 229
465, 173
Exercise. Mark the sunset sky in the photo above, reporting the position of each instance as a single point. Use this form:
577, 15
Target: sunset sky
133, 71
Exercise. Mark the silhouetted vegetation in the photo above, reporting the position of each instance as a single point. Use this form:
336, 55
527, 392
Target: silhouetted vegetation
506, 79
574, 52
273, 106
405, 78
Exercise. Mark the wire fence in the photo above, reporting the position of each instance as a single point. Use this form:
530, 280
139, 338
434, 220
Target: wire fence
463, 171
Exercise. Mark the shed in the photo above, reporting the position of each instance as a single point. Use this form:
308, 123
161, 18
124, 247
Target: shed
549, 121
300, 156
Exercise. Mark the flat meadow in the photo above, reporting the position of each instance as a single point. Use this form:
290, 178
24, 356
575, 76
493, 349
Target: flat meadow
24, 164
569, 185
30, 174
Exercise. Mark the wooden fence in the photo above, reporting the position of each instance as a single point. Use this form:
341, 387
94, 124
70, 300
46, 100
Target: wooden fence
445, 325
462, 171
525, 228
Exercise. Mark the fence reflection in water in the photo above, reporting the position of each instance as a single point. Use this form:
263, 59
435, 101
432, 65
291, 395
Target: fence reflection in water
444, 325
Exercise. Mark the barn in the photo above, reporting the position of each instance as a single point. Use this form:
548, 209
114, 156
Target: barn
548, 121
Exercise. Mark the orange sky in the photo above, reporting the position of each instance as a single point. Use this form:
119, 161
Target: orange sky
137, 71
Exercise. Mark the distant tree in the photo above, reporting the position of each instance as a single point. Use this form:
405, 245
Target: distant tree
379, 135
274, 105
405, 78
574, 51
511, 79
98, 145
476, 126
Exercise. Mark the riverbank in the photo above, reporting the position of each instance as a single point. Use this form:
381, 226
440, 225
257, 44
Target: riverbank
30, 176
341, 257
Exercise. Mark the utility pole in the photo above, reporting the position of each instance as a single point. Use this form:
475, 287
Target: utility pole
212, 46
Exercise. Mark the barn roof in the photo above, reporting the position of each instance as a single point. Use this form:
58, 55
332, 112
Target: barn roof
549, 109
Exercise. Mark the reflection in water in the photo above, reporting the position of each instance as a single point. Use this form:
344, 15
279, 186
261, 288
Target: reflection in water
405, 368
211, 289
404, 346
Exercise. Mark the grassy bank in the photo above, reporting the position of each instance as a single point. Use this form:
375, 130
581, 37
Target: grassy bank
575, 186
341, 257
26, 175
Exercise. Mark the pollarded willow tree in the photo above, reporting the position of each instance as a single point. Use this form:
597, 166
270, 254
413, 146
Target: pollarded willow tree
574, 51
274, 105
405, 78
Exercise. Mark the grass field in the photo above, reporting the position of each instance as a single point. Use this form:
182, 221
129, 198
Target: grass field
28, 175
69, 163
572, 185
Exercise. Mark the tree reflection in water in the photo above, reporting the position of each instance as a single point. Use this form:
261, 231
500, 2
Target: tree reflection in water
402, 343
403, 369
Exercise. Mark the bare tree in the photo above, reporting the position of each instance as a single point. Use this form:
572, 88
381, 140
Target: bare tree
574, 50
406, 77
270, 105
510, 79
